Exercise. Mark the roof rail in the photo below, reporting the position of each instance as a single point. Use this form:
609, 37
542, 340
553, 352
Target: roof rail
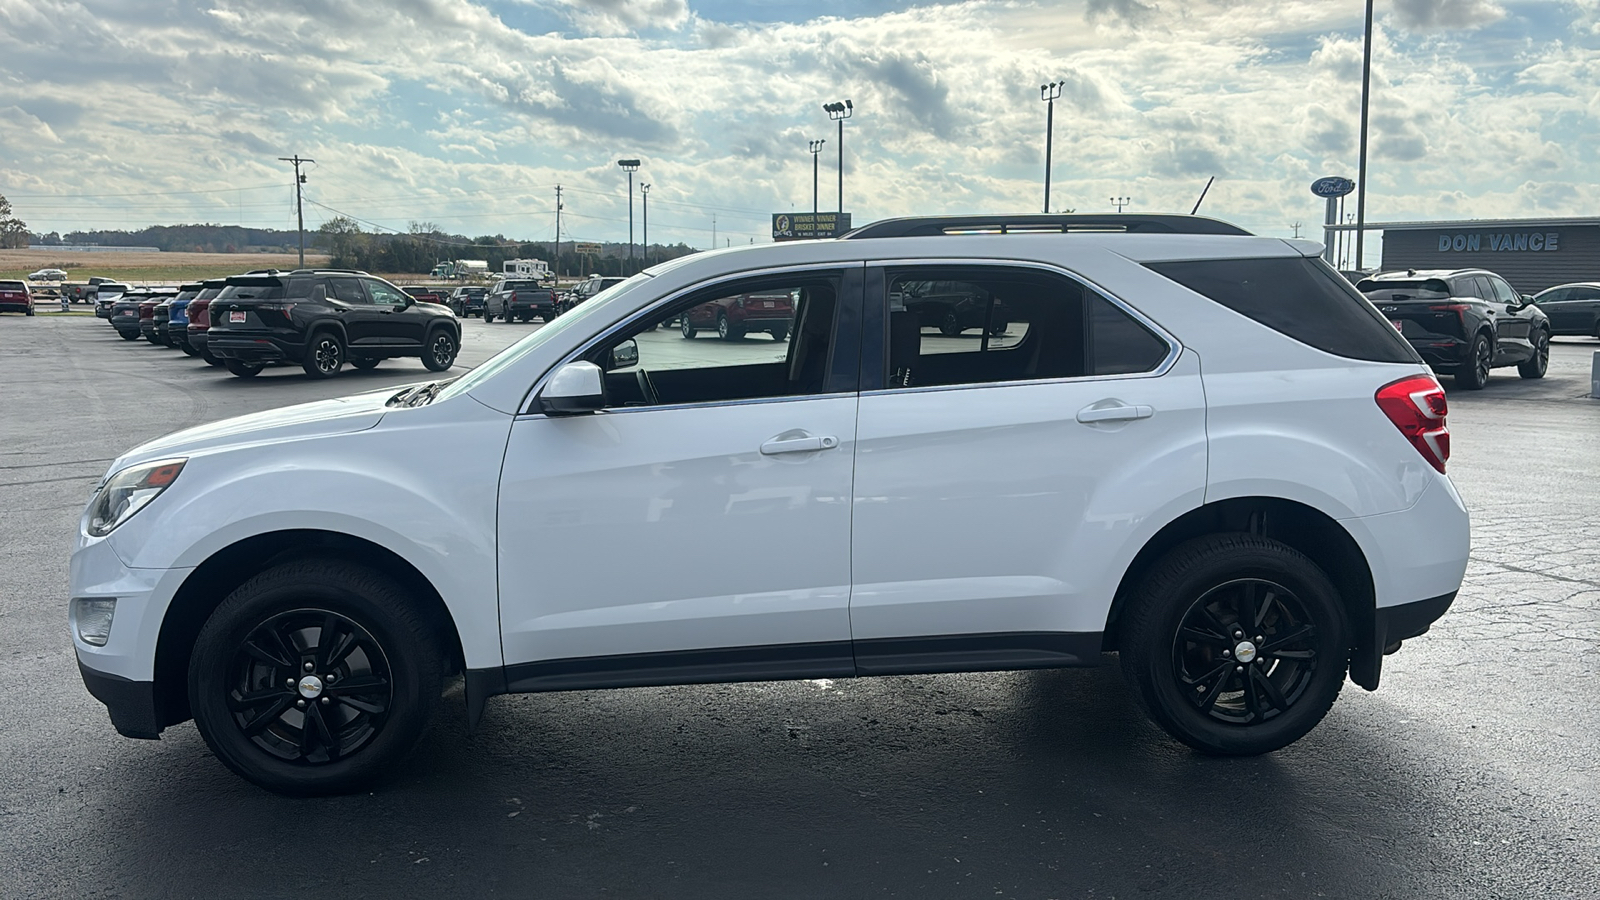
324, 270
1130, 223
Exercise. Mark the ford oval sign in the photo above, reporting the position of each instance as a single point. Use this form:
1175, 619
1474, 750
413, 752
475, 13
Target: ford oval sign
1332, 186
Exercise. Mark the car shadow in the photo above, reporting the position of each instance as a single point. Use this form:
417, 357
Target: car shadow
1035, 784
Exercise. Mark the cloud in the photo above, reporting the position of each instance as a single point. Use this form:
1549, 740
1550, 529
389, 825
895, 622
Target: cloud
616, 17
1425, 15
1133, 12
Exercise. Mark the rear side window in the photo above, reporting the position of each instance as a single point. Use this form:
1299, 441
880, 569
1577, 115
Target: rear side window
12, 286
273, 291
1299, 297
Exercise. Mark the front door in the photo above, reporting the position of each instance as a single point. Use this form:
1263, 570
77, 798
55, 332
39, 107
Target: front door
400, 323
1003, 464
698, 528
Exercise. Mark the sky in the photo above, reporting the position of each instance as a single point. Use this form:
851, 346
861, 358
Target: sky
467, 113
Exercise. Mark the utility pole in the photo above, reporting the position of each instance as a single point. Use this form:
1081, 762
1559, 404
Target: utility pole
839, 112
1361, 176
713, 231
300, 208
645, 189
558, 234
1120, 202
1296, 227
1049, 93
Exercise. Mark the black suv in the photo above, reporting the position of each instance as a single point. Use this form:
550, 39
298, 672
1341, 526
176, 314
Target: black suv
516, 298
587, 288
1464, 321
322, 317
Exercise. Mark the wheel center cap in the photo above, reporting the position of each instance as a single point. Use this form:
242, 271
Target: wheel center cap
311, 687
1244, 651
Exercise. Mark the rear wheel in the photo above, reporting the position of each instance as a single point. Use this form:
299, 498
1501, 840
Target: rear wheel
129, 335
1236, 644
726, 329
688, 330
314, 677
440, 352
779, 333
241, 368
187, 349
1474, 371
951, 326
212, 360
1536, 365
324, 355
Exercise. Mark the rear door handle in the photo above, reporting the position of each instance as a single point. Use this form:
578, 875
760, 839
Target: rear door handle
798, 445
1091, 414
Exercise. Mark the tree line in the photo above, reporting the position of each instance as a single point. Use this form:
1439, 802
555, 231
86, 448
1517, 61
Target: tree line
424, 246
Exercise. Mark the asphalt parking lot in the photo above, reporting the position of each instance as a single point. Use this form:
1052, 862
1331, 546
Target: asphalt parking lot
1473, 772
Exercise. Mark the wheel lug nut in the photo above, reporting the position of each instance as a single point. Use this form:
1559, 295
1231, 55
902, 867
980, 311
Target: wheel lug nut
1258, 638
1239, 669
308, 667
324, 701
300, 703
1227, 653
289, 682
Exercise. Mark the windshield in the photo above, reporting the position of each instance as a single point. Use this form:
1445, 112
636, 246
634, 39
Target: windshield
511, 354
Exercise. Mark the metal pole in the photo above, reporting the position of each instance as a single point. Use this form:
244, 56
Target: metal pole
841, 167
1048, 93
299, 207
644, 189
814, 209
558, 234
630, 217
1361, 175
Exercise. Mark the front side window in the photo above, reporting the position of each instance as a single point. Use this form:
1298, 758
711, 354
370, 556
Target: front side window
986, 324
777, 340
1503, 292
383, 295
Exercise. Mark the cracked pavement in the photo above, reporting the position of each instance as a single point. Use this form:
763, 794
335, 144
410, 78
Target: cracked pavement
1472, 773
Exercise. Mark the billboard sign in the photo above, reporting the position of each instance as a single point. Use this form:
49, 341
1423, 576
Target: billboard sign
794, 226
1332, 186
586, 249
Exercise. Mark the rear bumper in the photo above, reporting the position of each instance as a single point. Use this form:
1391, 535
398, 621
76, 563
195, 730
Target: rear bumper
132, 704
262, 348
15, 305
1441, 353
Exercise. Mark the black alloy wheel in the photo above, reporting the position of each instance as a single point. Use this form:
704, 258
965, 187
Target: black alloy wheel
1474, 371
686, 328
1237, 644
951, 326
324, 356
440, 353
315, 677
1536, 365
241, 368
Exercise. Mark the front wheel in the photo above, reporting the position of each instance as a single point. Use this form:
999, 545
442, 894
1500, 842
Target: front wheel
1236, 645
314, 677
1474, 371
325, 356
242, 369
440, 354
1536, 365
950, 326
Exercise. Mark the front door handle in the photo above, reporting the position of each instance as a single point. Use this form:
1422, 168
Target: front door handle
798, 445
1122, 413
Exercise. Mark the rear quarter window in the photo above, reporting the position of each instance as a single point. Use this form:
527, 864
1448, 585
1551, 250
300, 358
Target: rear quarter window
1299, 297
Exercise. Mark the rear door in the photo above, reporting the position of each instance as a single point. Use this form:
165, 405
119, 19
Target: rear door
997, 473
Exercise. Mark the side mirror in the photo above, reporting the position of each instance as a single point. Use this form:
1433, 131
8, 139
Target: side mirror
624, 355
576, 388
1526, 299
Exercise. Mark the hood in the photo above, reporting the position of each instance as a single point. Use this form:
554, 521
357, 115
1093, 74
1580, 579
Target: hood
323, 417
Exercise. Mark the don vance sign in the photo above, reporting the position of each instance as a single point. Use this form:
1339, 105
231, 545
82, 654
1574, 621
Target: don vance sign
1526, 241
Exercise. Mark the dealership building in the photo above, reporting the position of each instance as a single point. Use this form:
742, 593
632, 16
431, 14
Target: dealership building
1532, 254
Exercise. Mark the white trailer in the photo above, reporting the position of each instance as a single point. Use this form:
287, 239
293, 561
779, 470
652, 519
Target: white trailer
527, 268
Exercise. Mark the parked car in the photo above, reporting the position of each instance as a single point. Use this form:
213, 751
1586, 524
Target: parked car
735, 316
1464, 321
300, 581
200, 318
953, 308
585, 290
125, 313
1574, 309
16, 296
468, 301
84, 292
177, 330
147, 314
425, 293
48, 275
322, 317
160, 321
520, 299
105, 294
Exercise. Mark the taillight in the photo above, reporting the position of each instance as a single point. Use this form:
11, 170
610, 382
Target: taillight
1417, 407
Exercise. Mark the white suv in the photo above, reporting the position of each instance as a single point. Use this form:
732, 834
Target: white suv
1186, 444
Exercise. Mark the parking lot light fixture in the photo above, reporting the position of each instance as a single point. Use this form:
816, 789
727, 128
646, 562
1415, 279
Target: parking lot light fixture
839, 111
644, 191
630, 166
1049, 93
816, 148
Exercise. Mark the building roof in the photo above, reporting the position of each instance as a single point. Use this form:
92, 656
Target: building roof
1473, 223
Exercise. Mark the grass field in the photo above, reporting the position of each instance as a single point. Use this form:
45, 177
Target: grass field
144, 267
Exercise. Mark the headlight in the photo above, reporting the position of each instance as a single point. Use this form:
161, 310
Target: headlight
127, 492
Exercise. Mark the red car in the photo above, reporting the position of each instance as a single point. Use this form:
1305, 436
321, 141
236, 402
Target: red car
15, 297
424, 294
736, 316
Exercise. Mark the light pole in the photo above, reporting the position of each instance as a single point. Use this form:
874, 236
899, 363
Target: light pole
1361, 174
816, 148
1049, 93
300, 210
630, 166
644, 189
839, 112
1120, 202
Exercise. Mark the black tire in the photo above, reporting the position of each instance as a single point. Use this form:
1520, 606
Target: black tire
188, 350
212, 360
779, 333
950, 326
324, 354
30, 310
247, 686
129, 335
725, 329
1536, 365
486, 317
1201, 610
998, 328
241, 368
439, 350
687, 330
365, 364
1474, 371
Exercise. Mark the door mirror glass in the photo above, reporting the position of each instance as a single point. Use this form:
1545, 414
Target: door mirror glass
624, 355
577, 387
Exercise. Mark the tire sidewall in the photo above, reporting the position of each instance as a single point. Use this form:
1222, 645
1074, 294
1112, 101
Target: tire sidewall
428, 360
